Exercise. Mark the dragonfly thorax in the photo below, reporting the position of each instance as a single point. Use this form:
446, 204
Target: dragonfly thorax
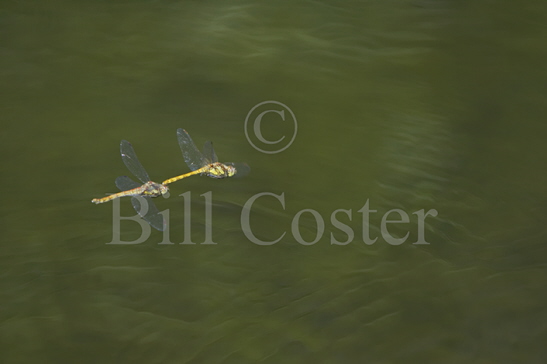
219, 170
154, 189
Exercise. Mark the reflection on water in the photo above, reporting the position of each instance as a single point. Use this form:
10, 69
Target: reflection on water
407, 105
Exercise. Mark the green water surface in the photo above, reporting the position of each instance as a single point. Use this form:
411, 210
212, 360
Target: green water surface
410, 105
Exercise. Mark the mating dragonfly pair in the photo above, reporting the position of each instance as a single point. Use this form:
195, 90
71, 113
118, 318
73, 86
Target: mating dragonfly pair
205, 163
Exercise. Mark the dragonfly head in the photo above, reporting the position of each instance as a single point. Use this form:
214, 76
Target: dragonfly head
163, 189
230, 170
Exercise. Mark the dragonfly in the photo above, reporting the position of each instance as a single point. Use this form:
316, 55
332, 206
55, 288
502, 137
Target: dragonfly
137, 191
205, 163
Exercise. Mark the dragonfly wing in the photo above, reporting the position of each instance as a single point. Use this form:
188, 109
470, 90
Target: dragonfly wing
132, 162
192, 156
209, 152
149, 212
125, 183
242, 169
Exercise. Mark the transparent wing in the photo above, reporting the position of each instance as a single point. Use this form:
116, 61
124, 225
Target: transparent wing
192, 156
209, 152
125, 183
149, 212
242, 169
132, 162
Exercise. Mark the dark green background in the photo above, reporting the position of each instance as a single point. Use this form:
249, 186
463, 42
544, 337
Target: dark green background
408, 104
